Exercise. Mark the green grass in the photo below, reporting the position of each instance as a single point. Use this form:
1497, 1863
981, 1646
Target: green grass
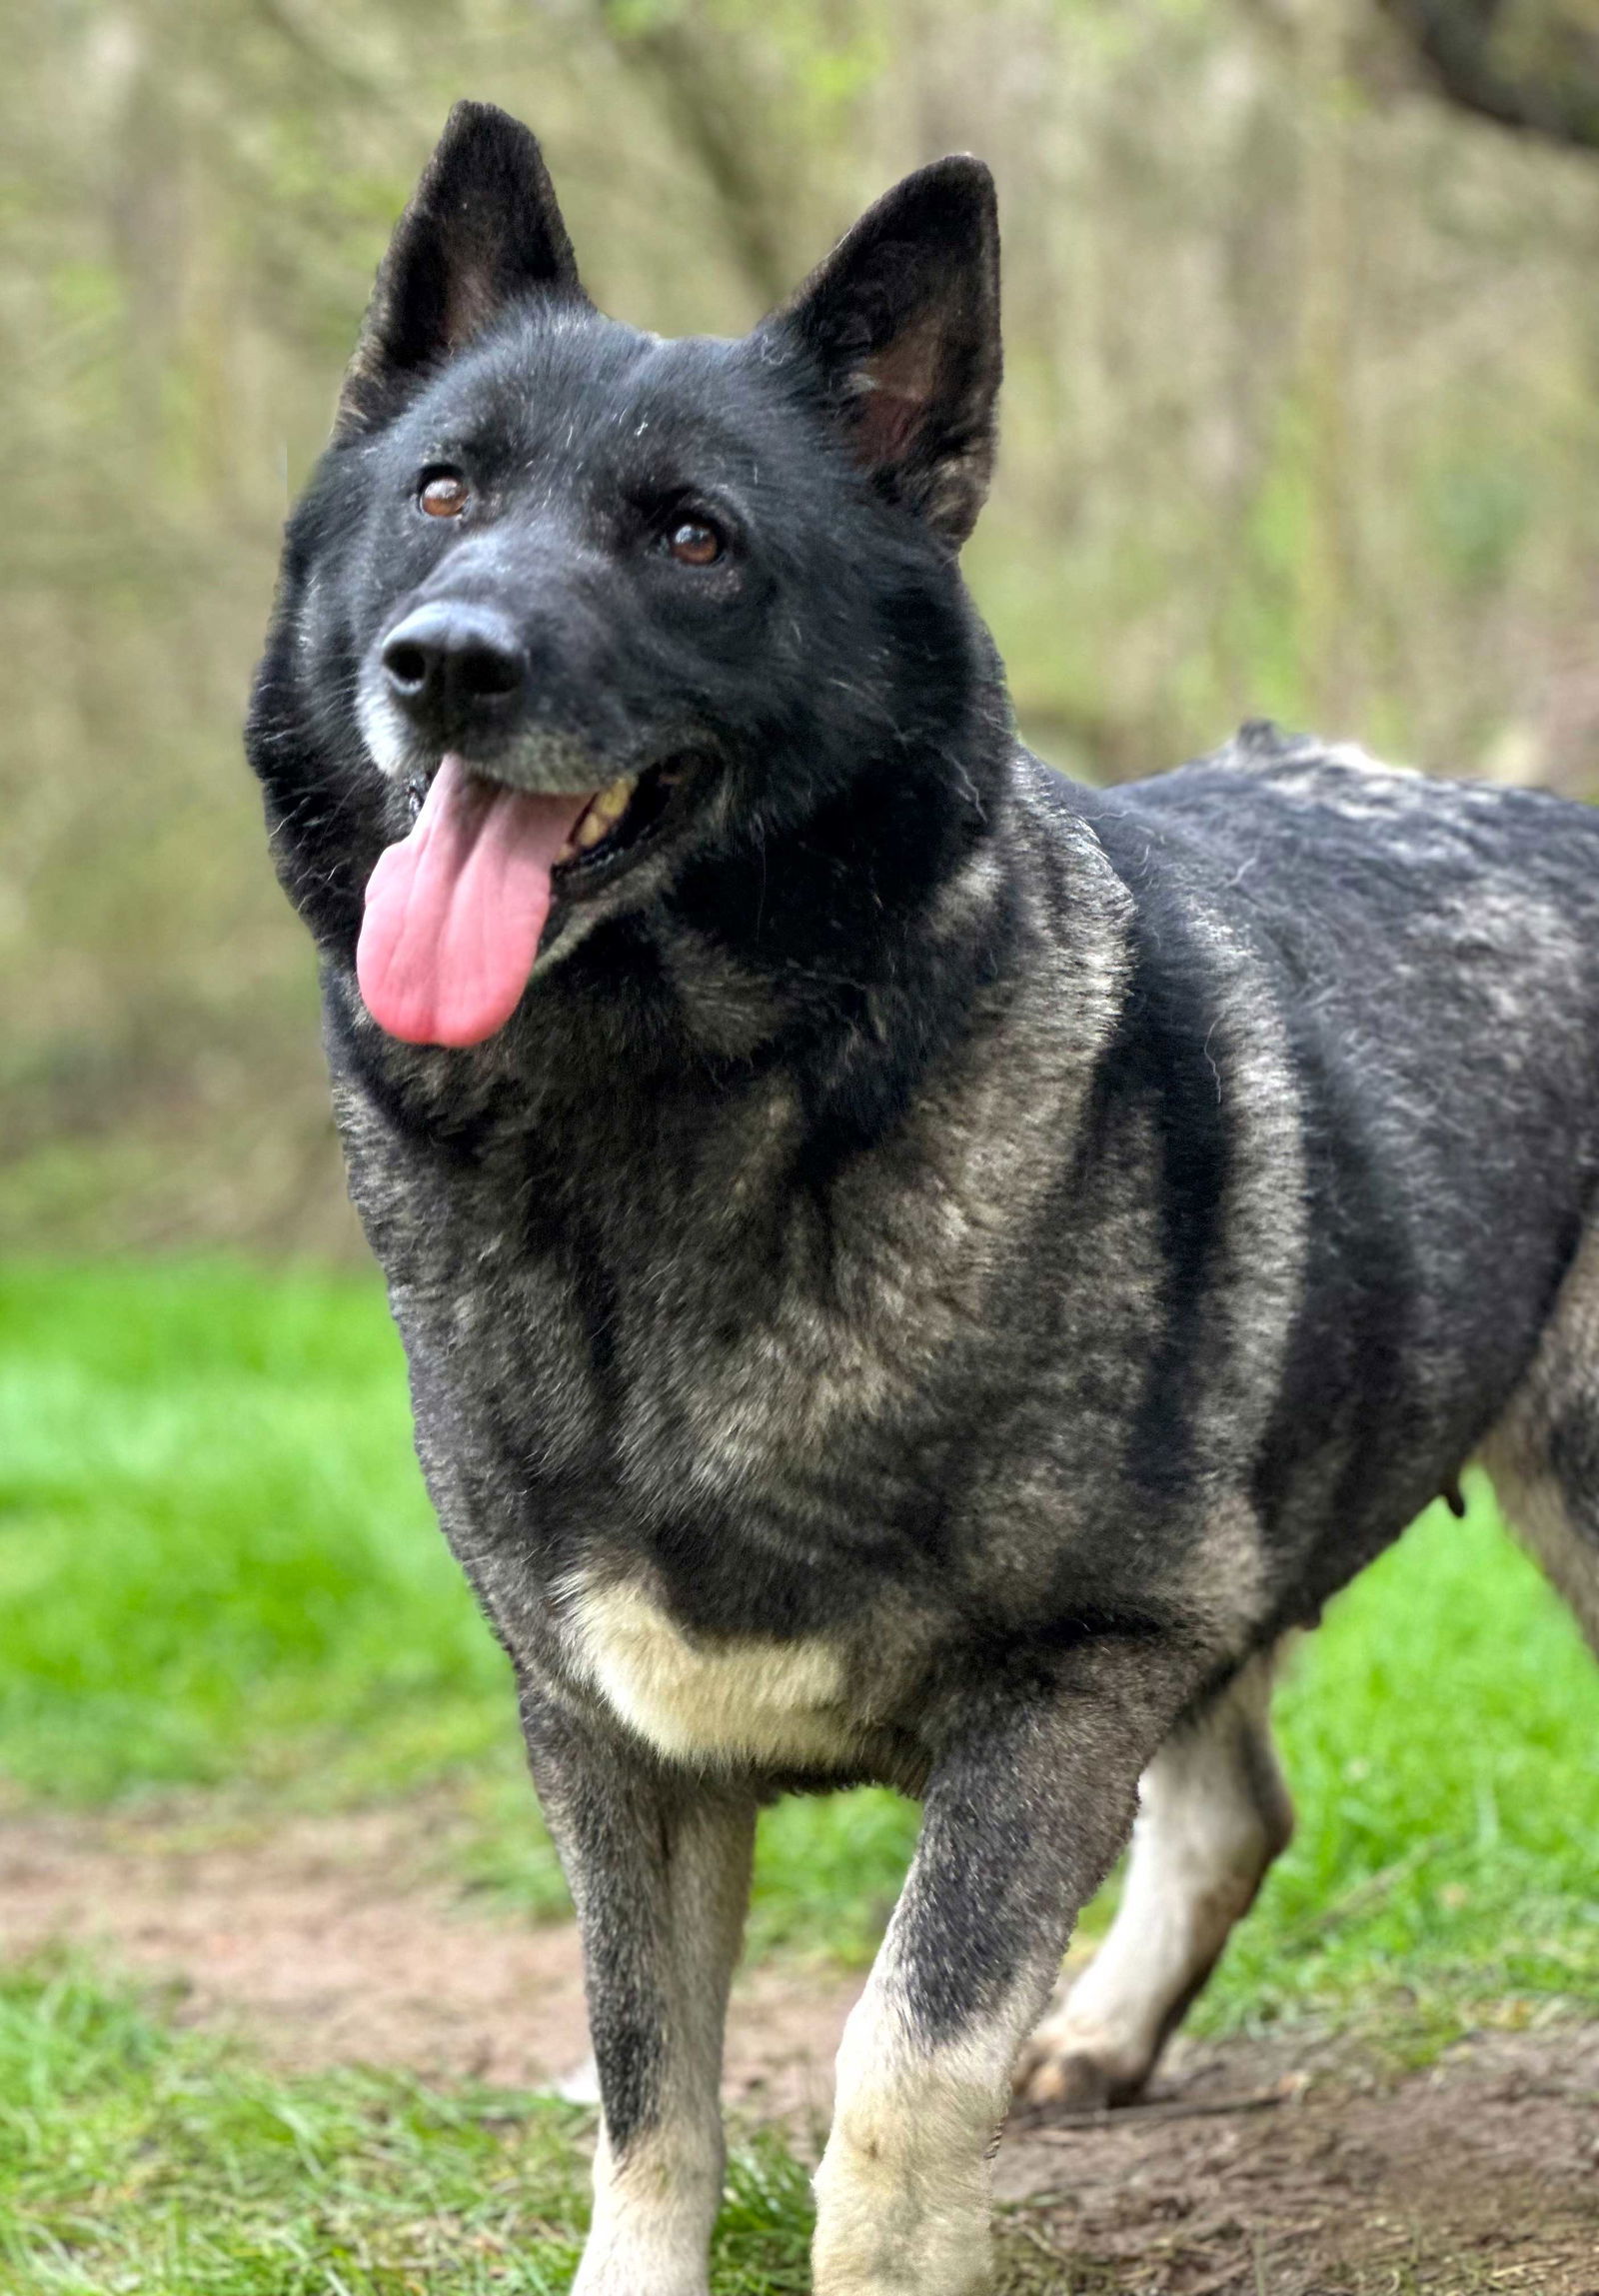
137, 2158
216, 1562
218, 1573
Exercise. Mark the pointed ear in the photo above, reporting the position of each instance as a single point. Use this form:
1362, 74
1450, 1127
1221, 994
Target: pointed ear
482, 231
903, 321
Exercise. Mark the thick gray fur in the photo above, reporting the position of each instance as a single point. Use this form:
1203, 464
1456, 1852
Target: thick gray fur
947, 1337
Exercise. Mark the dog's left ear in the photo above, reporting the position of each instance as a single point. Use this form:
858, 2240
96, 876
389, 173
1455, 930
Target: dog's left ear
903, 323
482, 230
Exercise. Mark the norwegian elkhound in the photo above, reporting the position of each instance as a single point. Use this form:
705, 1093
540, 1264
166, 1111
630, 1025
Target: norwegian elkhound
912, 1269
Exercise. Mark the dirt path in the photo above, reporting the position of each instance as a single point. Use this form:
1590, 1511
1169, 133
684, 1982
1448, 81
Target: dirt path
325, 1942
1480, 2175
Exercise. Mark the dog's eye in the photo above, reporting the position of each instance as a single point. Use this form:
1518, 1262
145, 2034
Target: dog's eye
694, 541
444, 495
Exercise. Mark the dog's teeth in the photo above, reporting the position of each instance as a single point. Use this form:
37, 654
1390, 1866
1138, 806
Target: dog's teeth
599, 817
604, 813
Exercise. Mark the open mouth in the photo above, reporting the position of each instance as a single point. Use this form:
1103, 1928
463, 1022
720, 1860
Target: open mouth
621, 818
455, 912
617, 820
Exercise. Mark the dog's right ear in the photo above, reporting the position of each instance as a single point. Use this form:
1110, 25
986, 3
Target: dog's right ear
482, 230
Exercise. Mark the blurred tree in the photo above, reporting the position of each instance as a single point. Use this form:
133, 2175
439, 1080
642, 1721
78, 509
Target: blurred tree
1530, 64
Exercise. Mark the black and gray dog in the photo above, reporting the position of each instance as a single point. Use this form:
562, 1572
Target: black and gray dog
911, 1270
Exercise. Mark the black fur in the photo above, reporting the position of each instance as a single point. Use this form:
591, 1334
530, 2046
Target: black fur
994, 1253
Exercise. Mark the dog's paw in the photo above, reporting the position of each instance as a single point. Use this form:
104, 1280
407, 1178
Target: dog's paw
1060, 2074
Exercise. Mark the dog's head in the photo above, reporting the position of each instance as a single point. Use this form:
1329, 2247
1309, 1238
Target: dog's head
568, 608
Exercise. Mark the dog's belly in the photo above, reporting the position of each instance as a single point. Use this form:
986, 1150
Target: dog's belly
735, 1698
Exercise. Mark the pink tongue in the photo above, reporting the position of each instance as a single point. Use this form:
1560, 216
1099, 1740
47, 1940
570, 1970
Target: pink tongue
454, 912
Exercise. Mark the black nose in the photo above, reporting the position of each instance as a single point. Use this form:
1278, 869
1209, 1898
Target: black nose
452, 667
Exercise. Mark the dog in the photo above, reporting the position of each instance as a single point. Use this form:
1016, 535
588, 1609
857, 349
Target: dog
911, 1270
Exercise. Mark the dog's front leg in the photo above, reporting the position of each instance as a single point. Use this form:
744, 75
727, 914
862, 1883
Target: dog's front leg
659, 1865
1024, 1815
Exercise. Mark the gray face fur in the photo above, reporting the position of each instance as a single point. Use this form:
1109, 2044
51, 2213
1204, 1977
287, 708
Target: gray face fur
933, 1282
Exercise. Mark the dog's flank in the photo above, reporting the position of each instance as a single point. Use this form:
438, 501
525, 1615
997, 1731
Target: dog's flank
910, 1269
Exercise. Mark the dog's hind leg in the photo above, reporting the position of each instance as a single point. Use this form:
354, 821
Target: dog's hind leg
659, 1865
1556, 1518
1214, 1812
1543, 1456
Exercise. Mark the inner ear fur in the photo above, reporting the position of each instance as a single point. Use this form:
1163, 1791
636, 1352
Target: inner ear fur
902, 322
483, 231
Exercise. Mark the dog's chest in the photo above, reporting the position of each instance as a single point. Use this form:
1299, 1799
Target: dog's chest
712, 1341
693, 1399
660, 1362
736, 1699
691, 1472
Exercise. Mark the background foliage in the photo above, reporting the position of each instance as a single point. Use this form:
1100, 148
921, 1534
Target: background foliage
1302, 417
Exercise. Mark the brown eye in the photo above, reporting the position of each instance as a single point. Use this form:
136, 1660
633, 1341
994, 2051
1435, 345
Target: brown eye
694, 541
444, 495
